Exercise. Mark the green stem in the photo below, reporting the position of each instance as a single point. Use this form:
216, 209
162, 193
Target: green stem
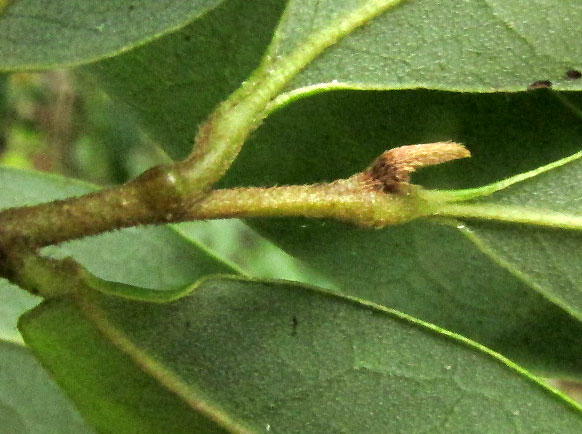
474, 193
344, 200
350, 200
220, 139
511, 214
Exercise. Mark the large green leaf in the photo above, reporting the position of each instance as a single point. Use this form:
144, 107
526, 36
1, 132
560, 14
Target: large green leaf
175, 82
112, 393
429, 271
36, 34
483, 45
335, 135
268, 356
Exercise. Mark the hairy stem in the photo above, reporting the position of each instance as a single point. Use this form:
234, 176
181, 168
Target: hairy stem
221, 137
348, 200
345, 200
153, 198
378, 196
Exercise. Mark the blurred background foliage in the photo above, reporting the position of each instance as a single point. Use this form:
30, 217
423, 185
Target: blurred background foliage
63, 123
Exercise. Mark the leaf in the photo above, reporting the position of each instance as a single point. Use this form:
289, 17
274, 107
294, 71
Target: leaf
268, 356
30, 401
13, 303
547, 258
428, 271
189, 72
38, 35
477, 46
111, 392
332, 136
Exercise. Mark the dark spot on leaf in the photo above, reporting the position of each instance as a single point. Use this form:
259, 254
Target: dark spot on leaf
573, 74
294, 324
540, 84
187, 324
187, 38
131, 8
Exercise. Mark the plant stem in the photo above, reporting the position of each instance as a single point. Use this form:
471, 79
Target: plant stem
510, 214
350, 200
343, 200
167, 194
153, 198
221, 137
378, 196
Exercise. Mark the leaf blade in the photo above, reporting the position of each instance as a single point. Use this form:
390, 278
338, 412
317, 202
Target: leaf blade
468, 47
109, 390
37, 35
13, 303
246, 354
30, 401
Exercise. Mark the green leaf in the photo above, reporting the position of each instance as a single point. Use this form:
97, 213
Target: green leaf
30, 401
547, 258
13, 303
189, 72
111, 392
333, 136
477, 46
431, 272
158, 258
263, 356
37, 35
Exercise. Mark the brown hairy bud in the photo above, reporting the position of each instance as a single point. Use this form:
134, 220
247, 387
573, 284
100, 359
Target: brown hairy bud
392, 169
